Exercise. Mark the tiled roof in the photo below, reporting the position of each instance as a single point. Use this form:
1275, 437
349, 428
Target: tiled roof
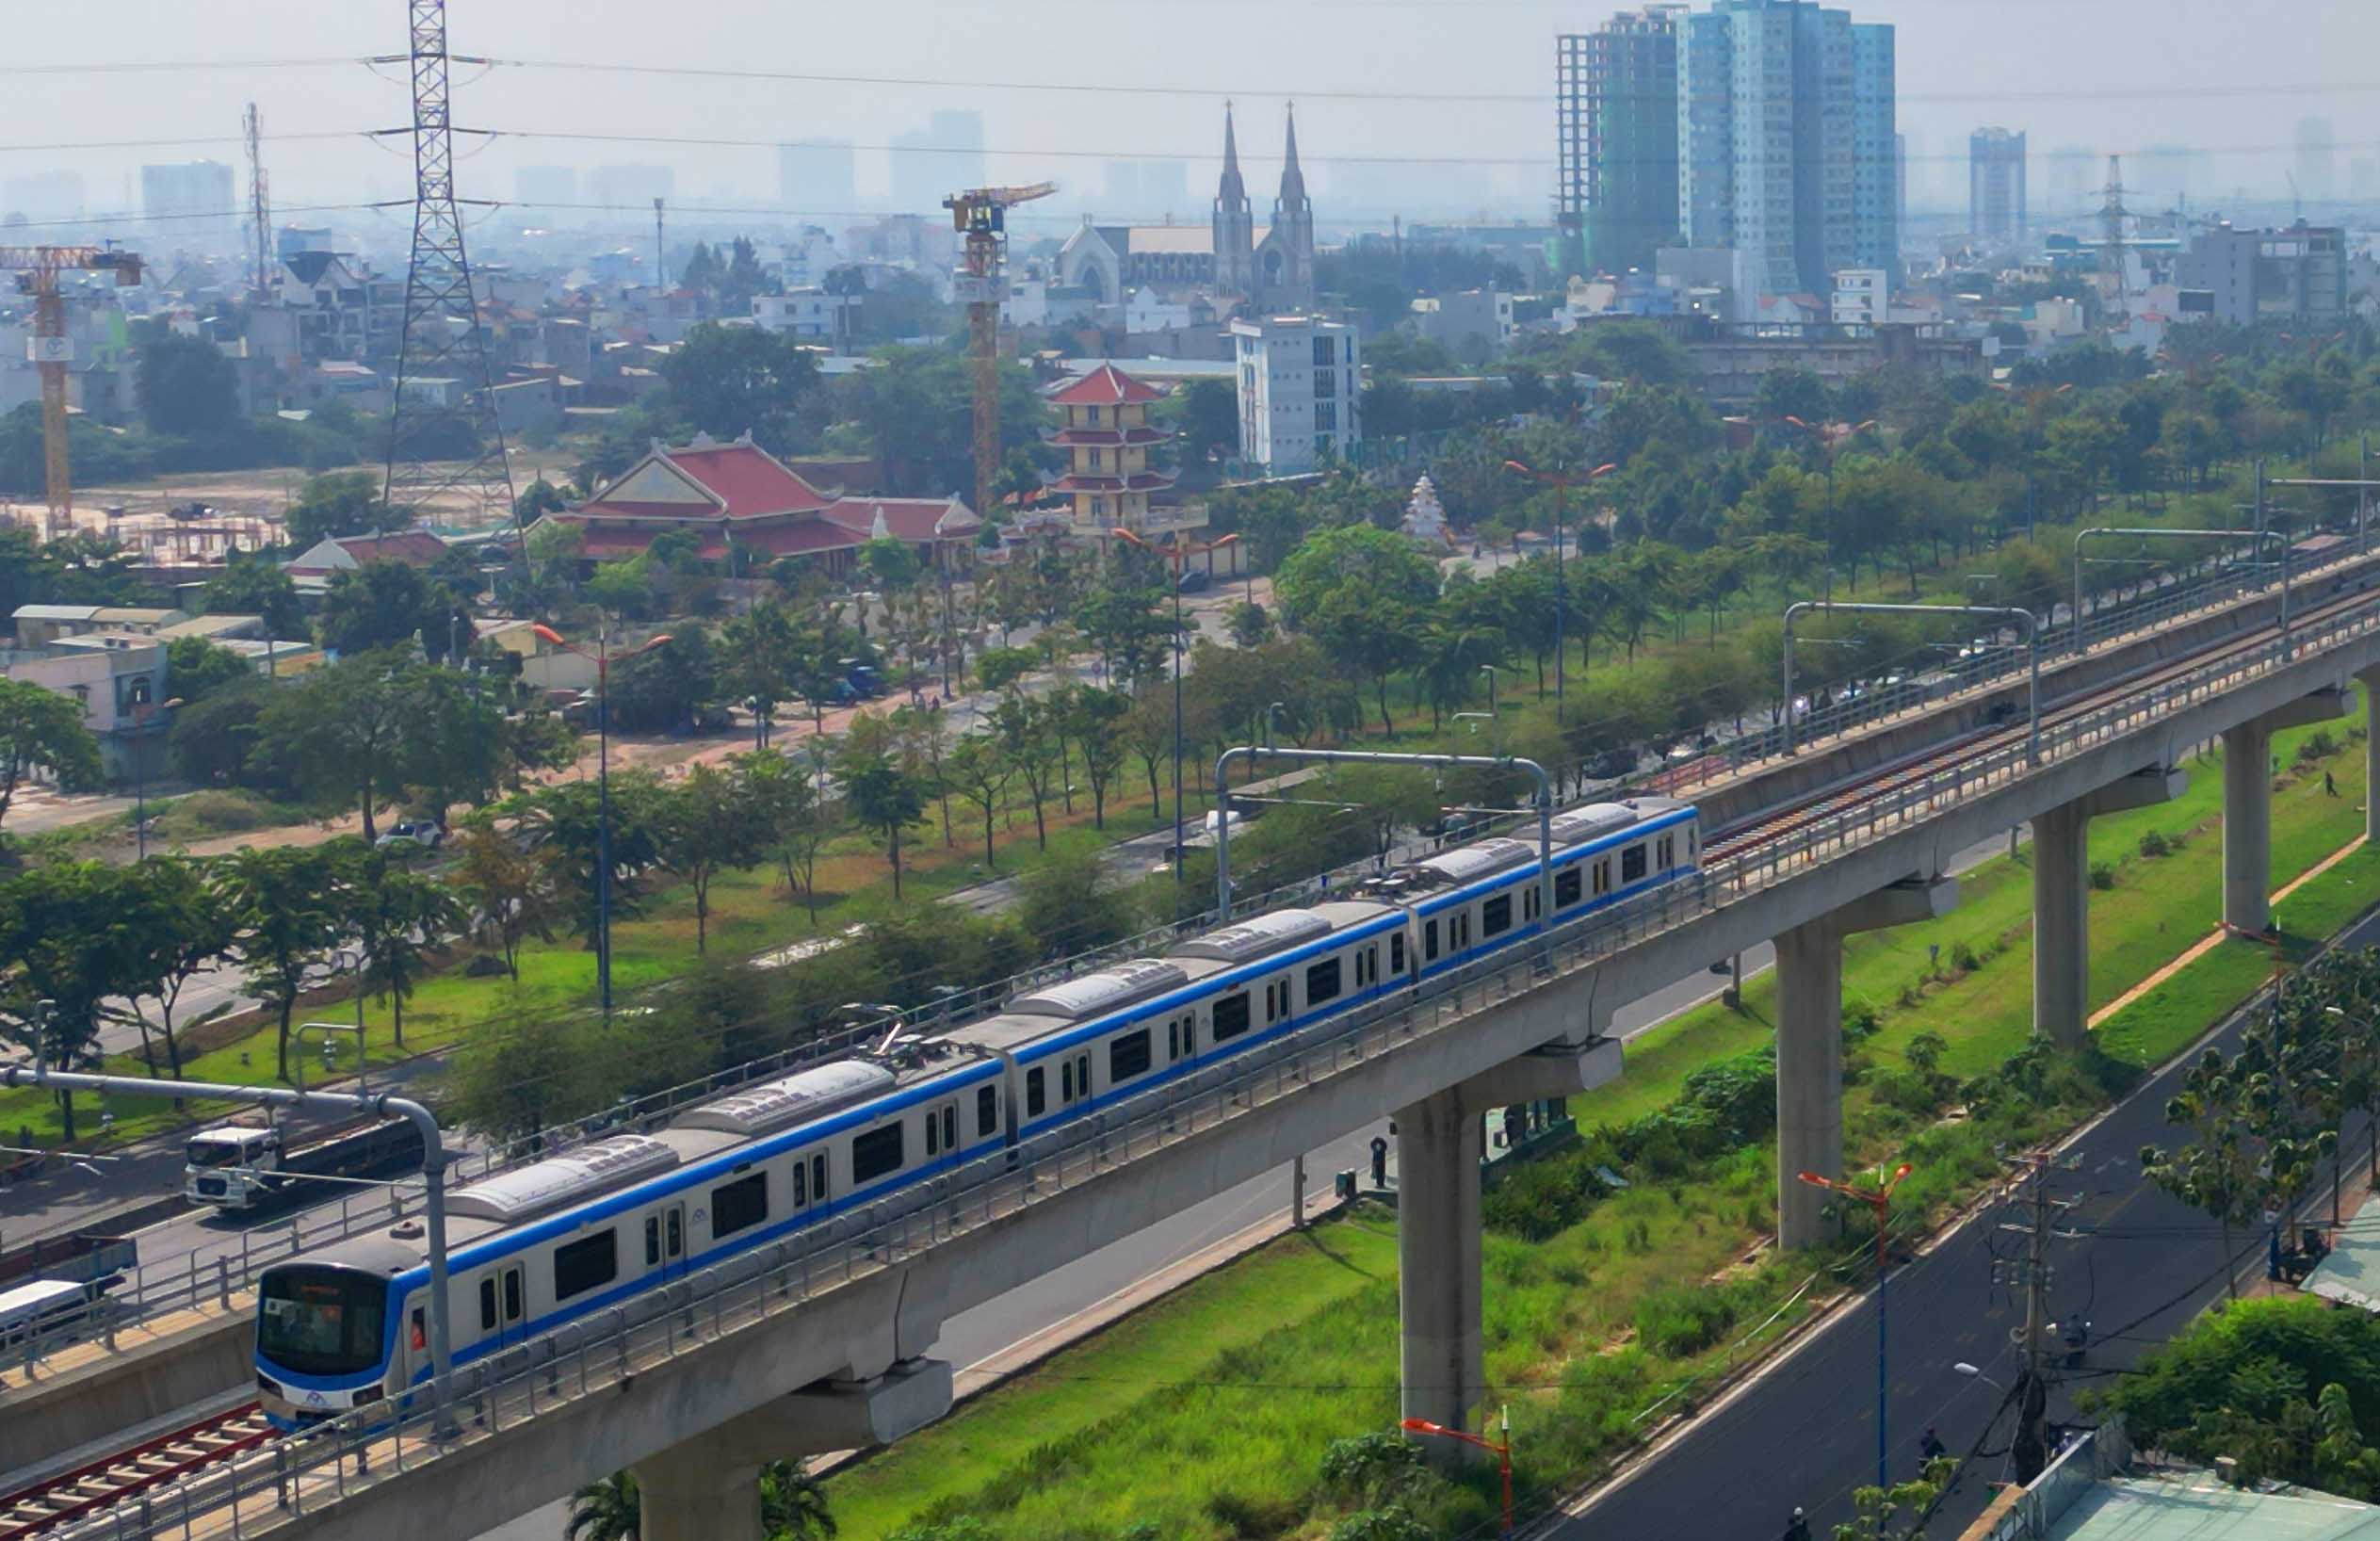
904, 518
747, 480
1103, 387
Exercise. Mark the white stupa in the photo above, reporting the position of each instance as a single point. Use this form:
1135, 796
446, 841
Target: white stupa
1425, 517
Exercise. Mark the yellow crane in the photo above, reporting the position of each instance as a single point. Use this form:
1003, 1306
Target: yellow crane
37, 269
980, 215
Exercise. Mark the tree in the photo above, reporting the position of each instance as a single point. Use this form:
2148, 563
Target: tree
214, 742
707, 826
511, 891
2217, 1171
884, 797
186, 386
1094, 717
664, 688
565, 822
181, 923
788, 818
1028, 730
381, 604
793, 1505
284, 917
41, 730
890, 563
762, 647
548, 1069
337, 505
251, 585
979, 770
608, 1510
400, 918
1360, 591
337, 734
67, 941
732, 380
197, 668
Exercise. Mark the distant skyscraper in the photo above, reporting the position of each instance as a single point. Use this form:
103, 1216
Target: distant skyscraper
1123, 193
630, 189
1615, 127
1996, 184
1901, 180
818, 177
193, 196
2157, 176
1165, 189
1787, 147
43, 195
546, 186
932, 163
2315, 164
2068, 174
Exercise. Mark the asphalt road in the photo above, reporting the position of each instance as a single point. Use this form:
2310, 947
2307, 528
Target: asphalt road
2141, 1263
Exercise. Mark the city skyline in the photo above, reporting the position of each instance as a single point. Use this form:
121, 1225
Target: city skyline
1489, 154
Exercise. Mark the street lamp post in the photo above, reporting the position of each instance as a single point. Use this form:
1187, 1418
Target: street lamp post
1879, 1199
143, 716
1501, 1449
1559, 481
602, 657
1829, 437
1176, 555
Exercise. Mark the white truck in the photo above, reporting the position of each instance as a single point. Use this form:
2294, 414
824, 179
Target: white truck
246, 1163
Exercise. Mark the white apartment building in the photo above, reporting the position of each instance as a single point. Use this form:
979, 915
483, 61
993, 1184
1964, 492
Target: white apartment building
1300, 385
1862, 297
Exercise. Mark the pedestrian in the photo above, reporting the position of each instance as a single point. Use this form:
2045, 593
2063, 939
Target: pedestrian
1931, 1449
1797, 1528
2330, 783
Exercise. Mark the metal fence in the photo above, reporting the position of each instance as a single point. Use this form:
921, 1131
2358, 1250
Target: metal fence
325, 1463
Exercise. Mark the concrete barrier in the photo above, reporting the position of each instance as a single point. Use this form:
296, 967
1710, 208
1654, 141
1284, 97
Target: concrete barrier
89, 1393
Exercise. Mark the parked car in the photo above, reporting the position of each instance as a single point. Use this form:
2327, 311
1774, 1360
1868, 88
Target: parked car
1193, 580
418, 834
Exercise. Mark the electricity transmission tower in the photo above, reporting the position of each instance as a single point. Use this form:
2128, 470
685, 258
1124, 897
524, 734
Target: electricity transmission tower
445, 441
260, 216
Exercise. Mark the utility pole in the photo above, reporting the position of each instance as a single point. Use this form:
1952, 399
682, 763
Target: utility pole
660, 253
2030, 1450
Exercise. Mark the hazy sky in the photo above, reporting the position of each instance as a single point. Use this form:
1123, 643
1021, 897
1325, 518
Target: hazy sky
2228, 78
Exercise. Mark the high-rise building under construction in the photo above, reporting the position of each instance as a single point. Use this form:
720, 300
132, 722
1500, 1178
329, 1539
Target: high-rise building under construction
1616, 121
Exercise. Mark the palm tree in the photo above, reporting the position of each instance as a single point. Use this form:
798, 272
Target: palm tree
606, 1510
792, 1502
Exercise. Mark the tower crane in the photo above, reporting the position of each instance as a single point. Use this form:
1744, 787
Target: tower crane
980, 215
37, 269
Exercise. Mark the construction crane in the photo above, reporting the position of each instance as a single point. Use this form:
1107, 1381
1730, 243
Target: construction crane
37, 269
980, 215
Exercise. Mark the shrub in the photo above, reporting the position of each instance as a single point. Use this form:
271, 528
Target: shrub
1963, 958
2102, 876
1390, 1524
203, 814
2317, 745
1372, 1469
2155, 844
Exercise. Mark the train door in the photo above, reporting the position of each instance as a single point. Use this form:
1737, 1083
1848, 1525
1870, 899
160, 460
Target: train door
665, 1240
1073, 1080
502, 1311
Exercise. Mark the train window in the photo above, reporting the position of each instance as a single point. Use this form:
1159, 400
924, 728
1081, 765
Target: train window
1321, 981
511, 1294
950, 1124
1172, 1042
1066, 1080
1231, 1016
652, 1241
1603, 875
1128, 1055
1430, 941
1568, 886
1632, 862
673, 1232
1459, 930
1082, 1076
987, 1112
487, 1305
876, 1152
588, 1263
420, 1338
1496, 916
1395, 952
801, 1183
1035, 1098
817, 1179
1689, 842
1667, 853
934, 1134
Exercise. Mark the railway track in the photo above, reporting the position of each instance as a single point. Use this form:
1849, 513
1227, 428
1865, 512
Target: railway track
133, 1470
1786, 818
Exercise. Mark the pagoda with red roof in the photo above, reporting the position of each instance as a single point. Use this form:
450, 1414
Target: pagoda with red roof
1108, 438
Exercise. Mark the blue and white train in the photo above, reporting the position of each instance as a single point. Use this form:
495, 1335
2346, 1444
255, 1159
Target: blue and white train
609, 1224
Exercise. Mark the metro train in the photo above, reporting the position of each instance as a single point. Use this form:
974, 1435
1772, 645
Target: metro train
609, 1223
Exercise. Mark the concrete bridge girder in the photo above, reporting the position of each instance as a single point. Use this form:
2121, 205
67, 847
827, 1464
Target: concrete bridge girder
2062, 880
708, 1487
1810, 1042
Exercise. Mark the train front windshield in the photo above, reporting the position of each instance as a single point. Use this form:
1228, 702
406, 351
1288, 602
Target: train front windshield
322, 1321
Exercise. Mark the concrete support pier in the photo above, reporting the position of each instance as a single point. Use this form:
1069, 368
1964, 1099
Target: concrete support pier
708, 1487
1810, 1045
2247, 827
2370, 679
2248, 807
1442, 1369
2061, 896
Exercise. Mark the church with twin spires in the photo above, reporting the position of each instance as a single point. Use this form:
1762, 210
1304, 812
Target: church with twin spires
1263, 270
